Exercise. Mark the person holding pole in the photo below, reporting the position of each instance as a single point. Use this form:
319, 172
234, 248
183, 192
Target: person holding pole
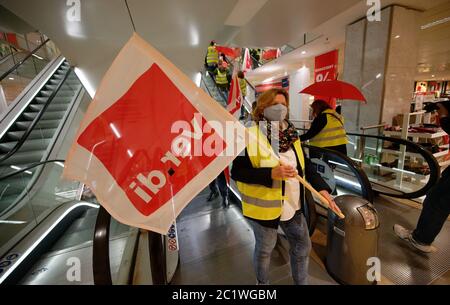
270, 177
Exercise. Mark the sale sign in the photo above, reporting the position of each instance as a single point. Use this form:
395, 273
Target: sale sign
326, 69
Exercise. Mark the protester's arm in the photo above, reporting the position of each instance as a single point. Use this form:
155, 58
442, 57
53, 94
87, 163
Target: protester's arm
316, 126
243, 171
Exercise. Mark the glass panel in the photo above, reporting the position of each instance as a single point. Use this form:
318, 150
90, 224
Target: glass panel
16, 81
396, 168
339, 172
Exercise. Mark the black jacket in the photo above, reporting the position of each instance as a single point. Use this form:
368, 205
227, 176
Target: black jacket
243, 171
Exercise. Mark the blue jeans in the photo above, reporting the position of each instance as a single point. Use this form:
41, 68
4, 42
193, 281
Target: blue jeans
296, 230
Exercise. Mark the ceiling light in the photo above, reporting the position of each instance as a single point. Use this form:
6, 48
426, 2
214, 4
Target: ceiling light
11, 78
434, 23
398, 36
433, 75
38, 57
378, 75
303, 52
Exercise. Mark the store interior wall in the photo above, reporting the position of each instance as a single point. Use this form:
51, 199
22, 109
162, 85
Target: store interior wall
402, 64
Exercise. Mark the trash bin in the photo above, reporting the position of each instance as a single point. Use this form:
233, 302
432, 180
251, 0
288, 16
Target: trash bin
352, 241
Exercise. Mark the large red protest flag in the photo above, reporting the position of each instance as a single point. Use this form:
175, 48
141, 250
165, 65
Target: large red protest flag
140, 147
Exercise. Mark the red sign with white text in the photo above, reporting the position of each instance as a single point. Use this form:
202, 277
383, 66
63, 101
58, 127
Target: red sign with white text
326, 69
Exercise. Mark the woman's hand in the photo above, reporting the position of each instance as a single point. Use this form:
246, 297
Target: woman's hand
333, 205
283, 172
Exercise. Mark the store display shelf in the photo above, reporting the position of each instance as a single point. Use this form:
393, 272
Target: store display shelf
415, 155
398, 171
423, 135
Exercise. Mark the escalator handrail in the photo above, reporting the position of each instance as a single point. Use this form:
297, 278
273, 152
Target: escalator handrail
4, 75
366, 187
435, 171
33, 124
31, 166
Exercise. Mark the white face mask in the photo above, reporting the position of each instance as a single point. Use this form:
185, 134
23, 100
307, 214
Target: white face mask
276, 112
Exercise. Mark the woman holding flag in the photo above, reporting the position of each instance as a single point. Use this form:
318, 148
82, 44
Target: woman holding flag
271, 194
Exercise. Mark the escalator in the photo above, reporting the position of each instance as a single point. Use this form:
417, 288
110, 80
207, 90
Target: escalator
31, 135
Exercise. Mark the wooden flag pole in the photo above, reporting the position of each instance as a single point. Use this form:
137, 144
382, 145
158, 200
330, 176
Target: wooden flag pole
316, 193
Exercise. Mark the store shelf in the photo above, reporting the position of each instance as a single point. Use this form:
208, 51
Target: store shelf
423, 135
415, 155
398, 171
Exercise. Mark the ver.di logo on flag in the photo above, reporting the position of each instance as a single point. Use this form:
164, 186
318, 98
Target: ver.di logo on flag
125, 146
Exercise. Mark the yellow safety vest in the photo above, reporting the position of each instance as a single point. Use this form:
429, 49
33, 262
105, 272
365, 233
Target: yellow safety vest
333, 133
212, 57
221, 78
243, 86
258, 201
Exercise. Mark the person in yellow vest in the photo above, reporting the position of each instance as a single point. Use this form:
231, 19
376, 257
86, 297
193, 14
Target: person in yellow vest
243, 87
271, 196
212, 57
222, 79
327, 129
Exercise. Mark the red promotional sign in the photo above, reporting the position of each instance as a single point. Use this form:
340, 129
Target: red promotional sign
325, 69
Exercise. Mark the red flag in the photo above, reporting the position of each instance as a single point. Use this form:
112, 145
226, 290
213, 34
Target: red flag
270, 54
139, 147
234, 97
246, 62
231, 53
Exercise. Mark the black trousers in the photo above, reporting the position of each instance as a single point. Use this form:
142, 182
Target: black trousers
220, 181
435, 211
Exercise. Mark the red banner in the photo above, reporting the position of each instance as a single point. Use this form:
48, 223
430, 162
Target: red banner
325, 69
270, 54
231, 53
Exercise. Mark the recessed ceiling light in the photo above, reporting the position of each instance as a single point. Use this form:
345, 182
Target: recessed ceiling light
303, 52
11, 78
433, 75
398, 36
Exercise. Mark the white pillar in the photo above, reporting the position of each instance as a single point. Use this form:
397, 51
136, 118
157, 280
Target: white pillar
299, 103
3, 104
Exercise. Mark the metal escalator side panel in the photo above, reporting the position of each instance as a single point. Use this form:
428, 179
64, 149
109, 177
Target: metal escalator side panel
27, 251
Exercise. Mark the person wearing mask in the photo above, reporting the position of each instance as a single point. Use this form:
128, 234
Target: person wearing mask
271, 196
243, 87
327, 129
436, 206
212, 57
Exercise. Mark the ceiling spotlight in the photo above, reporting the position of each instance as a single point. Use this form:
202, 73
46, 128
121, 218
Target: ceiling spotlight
11, 78
303, 52
433, 75
398, 36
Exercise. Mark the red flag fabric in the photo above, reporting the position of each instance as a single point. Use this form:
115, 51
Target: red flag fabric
270, 54
141, 145
231, 53
246, 62
234, 97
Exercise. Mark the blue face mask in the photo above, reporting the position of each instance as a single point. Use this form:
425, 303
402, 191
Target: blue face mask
276, 112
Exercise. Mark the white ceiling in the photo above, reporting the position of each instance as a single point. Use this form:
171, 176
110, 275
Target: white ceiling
434, 49
181, 29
